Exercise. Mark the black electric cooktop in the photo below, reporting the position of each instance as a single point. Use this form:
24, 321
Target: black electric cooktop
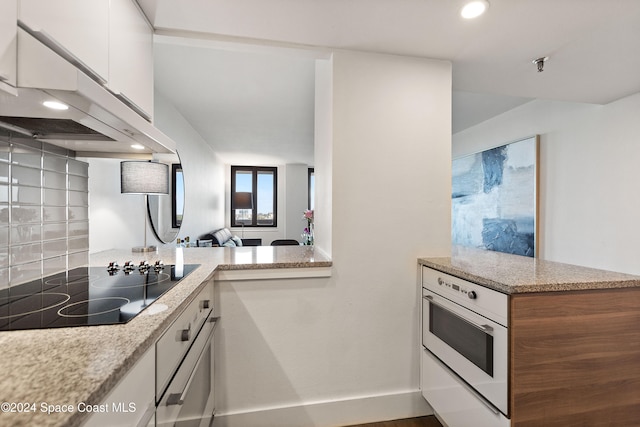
87, 296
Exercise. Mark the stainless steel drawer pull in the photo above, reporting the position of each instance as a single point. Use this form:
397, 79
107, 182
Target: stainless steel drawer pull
186, 334
175, 399
178, 398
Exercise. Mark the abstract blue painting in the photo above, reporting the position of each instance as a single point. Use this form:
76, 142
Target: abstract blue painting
494, 199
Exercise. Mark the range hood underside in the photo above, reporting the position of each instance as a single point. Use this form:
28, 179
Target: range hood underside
96, 122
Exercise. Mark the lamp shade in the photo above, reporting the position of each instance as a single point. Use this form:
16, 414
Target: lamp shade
144, 177
242, 200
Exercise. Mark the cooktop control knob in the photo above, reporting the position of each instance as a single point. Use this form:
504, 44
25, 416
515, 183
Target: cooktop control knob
143, 267
128, 267
472, 295
113, 268
159, 265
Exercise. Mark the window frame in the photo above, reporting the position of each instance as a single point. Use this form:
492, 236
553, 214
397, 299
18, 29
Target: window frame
254, 195
310, 196
176, 168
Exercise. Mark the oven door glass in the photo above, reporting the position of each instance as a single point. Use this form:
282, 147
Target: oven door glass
470, 340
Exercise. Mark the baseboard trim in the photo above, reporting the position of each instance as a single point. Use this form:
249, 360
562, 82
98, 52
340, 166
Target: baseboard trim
332, 414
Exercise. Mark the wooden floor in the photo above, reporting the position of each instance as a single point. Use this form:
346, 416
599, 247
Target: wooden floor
429, 421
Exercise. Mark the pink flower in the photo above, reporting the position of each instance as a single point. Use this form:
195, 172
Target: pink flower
308, 215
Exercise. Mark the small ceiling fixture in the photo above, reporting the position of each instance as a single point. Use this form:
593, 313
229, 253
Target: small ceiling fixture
473, 9
138, 146
540, 63
55, 105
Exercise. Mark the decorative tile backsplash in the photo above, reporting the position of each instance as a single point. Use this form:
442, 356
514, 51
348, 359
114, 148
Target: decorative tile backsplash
44, 210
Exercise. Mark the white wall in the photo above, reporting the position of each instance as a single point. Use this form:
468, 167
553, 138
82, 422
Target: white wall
589, 157
116, 220
204, 172
294, 342
323, 155
296, 193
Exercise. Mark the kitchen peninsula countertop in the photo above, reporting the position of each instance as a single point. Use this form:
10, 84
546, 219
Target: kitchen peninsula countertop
512, 274
67, 366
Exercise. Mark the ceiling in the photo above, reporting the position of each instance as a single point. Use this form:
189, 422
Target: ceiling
592, 47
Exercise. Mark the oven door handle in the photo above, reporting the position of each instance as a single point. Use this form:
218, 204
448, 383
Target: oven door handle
485, 328
178, 398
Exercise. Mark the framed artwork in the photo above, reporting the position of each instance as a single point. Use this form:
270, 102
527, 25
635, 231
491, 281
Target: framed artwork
494, 201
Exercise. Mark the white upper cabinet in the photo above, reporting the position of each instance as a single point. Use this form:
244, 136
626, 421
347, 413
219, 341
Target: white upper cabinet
109, 40
131, 57
8, 37
78, 30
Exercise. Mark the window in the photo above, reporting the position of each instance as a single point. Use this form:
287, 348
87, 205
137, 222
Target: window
311, 184
259, 185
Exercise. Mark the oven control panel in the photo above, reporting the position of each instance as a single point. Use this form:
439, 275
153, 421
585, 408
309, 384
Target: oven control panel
482, 300
457, 287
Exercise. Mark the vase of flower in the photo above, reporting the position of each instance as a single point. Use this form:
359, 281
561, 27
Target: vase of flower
307, 234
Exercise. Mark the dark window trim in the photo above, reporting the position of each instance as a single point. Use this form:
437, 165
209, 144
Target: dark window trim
175, 222
310, 172
254, 184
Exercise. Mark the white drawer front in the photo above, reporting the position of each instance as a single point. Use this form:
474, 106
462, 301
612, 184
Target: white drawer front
174, 343
452, 400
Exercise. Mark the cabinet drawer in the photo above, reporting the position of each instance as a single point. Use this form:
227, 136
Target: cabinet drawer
176, 340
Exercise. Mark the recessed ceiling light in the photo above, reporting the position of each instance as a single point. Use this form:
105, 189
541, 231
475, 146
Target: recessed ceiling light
473, 9
138, 146
55, 105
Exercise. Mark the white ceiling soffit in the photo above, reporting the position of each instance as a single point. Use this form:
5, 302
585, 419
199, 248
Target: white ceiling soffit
592, 44
473, 108
248, 101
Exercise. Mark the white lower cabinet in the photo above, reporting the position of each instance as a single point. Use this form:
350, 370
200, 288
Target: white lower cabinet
132, 401
452, 400
180, 365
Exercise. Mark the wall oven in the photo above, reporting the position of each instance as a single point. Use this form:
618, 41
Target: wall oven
465, 336
185, 394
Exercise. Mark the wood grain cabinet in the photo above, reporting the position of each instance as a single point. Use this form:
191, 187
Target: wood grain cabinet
575, 358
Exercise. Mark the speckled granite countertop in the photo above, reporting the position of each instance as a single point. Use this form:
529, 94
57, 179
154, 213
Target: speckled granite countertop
72, 365
512, 274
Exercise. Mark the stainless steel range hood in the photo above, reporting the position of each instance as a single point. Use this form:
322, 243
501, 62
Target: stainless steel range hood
96, 123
